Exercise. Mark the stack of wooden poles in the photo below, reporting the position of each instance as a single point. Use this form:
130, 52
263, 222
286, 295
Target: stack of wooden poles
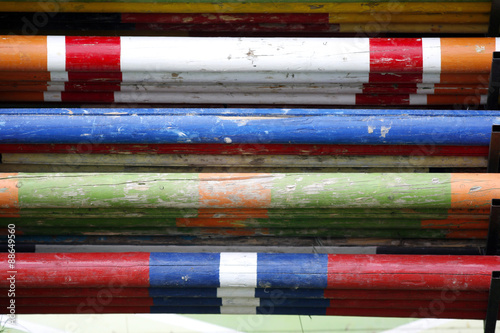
282, 16
246, 71
257, 175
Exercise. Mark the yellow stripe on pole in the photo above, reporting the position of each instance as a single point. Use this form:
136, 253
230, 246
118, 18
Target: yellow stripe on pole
375, 27
453, 18
272, 7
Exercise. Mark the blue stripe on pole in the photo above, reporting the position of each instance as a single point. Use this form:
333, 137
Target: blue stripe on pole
292, 270
272, 293
183, 292
379, 127
288, 293
243, 112
184, 270
291, 311
186, 309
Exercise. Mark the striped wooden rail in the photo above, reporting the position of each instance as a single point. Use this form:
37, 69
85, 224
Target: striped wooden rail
164, 54
471, 193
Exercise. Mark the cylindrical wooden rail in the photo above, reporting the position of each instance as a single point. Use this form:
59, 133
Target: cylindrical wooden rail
88, 127
447, 192
164, 54
228, 6
252, 270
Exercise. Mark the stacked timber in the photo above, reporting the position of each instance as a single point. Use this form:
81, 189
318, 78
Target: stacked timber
246, 71
252, 283
197, 17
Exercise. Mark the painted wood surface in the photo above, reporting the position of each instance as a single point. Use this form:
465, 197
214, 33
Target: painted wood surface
252, 270
98, 19
357, 55
247, 149
281, 161
244, 98
208, 214
468, 192
243, 78
239, 293
481, 222
383, 89
247, 7
246, 126
333, 29
9, 168
231, 233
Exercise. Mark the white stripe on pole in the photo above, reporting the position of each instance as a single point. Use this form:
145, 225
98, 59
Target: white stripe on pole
52, 96
238, 270
240, 302
418, 99
431, 58
236, 292
248, 54
59, 76
248, 160
234, 98
56, 53
424, 89
56, 86
497, 44
238, 310
245, 77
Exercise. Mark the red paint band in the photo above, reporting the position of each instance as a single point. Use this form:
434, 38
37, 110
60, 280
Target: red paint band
396, 55
93, 54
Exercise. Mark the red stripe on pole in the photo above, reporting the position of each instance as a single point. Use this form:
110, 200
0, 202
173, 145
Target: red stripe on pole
91, 86
254, 149
445, 295
111, 271
93, 53
411, 272
77, 292
396, 54
390, 88
395, 78
90, 97
362, 99
95, 76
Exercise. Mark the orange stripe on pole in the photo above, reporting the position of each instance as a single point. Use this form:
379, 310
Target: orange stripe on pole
474, 190
454, 223
460, 89
9, 195
453, 100
218, 190
23, 53
25, 76
465, 78
223, 218
466, 55
21, 96
467, 234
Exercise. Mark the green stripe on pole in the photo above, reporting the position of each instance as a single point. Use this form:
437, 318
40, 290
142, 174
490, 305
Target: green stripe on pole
108, 190
362, 190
